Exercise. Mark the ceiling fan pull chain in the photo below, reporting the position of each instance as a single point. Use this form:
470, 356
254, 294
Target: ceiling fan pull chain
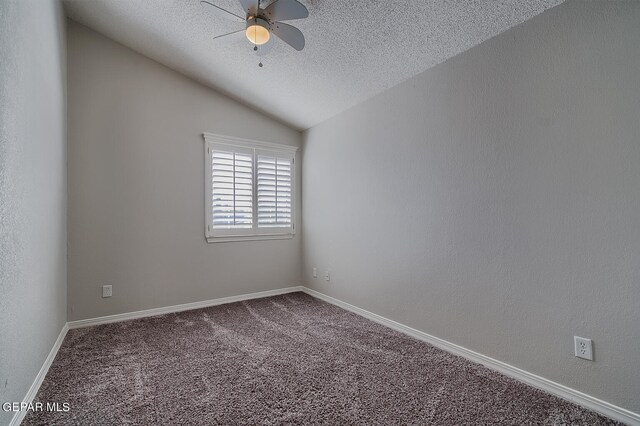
255, 48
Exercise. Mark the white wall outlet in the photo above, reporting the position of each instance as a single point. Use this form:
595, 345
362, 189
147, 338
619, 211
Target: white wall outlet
315, 272
583, 347
107, 291
327, 276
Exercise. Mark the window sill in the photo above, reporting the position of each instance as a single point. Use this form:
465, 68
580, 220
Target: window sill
235, 238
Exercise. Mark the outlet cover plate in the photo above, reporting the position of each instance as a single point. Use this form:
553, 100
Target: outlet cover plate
583, 348
107, 291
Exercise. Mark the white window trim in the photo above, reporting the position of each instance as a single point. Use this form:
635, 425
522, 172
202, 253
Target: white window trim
282, 234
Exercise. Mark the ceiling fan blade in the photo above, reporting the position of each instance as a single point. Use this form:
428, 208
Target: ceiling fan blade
219, 12
283, 10
232, 32
250, 7
289, 34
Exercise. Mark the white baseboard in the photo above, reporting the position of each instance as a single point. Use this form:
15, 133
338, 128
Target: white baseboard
564, 392
35, 386
179, 308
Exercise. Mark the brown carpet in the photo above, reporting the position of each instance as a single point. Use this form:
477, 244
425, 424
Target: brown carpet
288, 359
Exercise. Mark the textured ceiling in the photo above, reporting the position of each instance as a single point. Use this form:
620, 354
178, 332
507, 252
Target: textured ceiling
354, 49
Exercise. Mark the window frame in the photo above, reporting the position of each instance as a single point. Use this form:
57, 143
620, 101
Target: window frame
255, 233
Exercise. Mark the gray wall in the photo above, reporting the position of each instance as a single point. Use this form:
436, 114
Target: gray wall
494, 200
32, 190
136, 186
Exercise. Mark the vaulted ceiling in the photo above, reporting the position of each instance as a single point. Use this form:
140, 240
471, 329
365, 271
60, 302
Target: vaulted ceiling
354, 49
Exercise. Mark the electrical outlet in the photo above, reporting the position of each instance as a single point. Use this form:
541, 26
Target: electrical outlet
107, 291
327, 276
315, 272
583, 348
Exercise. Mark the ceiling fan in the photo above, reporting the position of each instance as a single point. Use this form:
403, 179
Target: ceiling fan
261, 23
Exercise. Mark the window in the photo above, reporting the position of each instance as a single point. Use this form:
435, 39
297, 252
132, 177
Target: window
248, 189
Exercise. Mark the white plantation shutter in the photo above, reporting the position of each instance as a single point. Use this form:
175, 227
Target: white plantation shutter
232, 188
274, 191
248, 189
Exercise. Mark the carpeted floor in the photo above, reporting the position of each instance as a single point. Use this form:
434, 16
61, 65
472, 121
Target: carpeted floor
288, 359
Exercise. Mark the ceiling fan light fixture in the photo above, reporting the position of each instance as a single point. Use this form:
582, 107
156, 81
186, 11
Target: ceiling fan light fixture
257, 31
